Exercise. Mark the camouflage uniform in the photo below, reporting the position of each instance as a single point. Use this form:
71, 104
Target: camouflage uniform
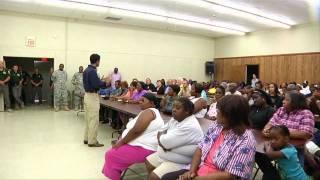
59, 79
77, 81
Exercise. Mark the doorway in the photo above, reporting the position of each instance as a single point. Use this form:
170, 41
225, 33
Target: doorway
27, 65
252, 69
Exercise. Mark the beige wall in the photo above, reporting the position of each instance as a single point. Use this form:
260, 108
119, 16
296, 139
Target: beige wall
137, 52
303, 38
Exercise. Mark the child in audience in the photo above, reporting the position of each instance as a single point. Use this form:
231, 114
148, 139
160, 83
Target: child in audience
285, 154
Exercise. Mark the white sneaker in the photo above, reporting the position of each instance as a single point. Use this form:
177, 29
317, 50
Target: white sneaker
9, 110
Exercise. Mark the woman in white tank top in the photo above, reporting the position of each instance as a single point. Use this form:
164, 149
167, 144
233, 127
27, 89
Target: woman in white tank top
137, 142
200, 105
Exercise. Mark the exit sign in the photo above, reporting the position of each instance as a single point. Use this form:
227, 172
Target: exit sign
30, 41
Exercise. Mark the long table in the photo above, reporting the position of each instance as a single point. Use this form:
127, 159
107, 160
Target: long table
134, 109
126, 108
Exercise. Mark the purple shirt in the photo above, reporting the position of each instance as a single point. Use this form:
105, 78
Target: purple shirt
236, 153
138, 95
299, 120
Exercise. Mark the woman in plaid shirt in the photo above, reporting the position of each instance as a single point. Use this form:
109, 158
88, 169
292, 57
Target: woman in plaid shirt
227, 150
298, 119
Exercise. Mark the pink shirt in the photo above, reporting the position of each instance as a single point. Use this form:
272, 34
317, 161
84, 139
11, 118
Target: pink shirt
208, 166
114, 78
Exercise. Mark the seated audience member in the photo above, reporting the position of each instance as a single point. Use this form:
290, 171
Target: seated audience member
200, 104
285, 154
160, 87
225, 85
313, 146
150, 86
166, 103
137, 96
313, 155
259, 85
184, 89
265, 87
232, 89
241, 85
261, 111
247, 93
275, 96
177, 141
212, 112
283, 89
292, 87
117, 90
227, 150
305, 88
138, 140
212, 91
131, 91
204, 95
124, 88
314, 107
169, 82
300, 121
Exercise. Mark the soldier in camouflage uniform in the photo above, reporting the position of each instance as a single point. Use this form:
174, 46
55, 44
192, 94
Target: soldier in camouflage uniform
59, 79
77, 81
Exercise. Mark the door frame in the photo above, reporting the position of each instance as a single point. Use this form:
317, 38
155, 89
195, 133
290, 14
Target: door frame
246, 74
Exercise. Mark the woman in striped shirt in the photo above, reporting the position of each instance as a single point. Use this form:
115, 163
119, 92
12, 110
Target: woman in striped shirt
227, 151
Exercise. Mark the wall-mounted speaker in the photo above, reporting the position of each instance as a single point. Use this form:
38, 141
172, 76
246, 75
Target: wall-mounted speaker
209, 66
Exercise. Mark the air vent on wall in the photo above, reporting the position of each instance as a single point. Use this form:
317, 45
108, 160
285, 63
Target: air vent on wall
109, 18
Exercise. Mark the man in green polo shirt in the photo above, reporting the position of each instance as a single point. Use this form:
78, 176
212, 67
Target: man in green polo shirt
36, 81
4, 89
16, 84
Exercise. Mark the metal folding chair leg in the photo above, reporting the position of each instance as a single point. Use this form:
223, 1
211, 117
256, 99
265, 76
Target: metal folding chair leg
133, 171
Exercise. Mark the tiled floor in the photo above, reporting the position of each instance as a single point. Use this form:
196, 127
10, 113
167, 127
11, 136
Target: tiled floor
38, 143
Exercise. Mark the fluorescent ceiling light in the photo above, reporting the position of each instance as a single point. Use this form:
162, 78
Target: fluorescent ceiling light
55, 3
227, 8
148, 13
204, 26
138, 15
209, 22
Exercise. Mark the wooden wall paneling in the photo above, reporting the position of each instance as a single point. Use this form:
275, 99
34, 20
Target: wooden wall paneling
261, 68
300, 69
268, 69
308, 69
273, 68
291, 63
274, 72
316, 68
237, 70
